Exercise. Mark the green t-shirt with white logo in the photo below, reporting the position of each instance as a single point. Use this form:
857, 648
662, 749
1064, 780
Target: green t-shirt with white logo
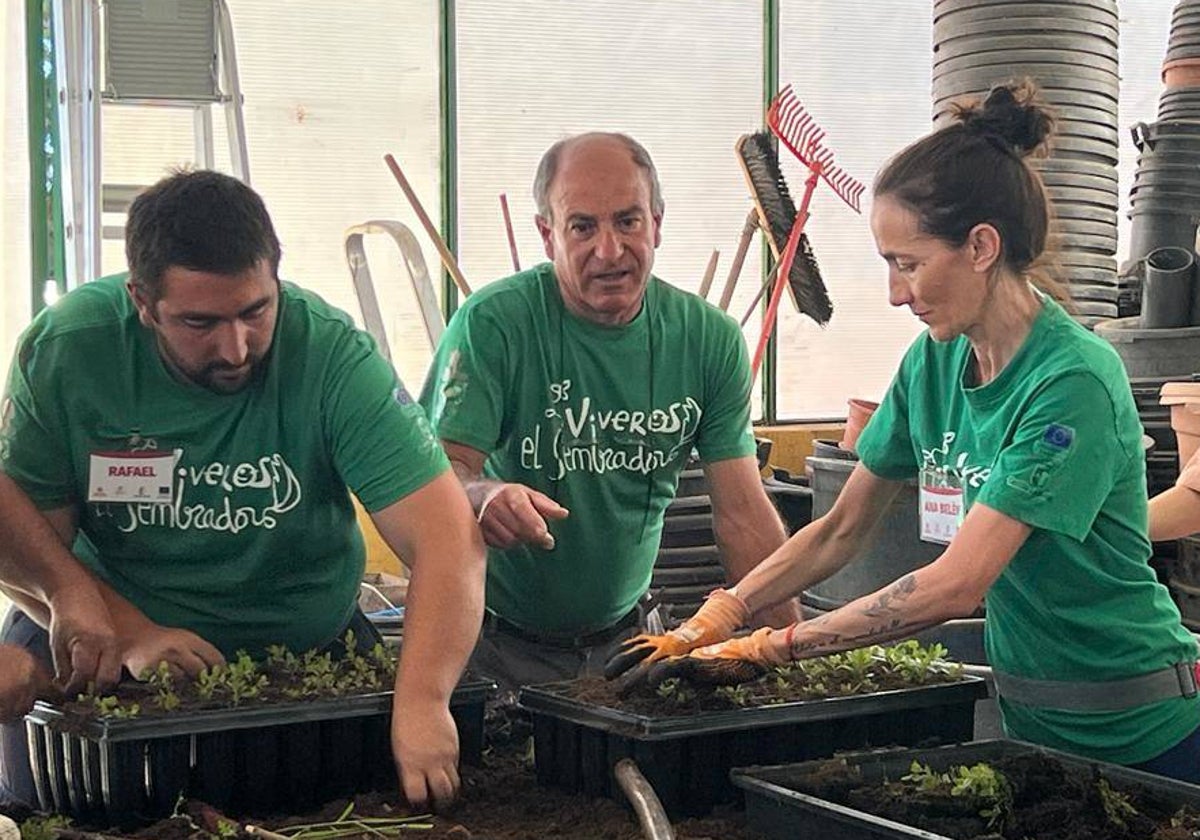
602, 419
259, 544
1055, 442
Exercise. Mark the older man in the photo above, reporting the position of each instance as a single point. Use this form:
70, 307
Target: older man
569, 397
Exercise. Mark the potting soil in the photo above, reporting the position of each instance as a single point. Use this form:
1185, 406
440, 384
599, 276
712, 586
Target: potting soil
1049, 802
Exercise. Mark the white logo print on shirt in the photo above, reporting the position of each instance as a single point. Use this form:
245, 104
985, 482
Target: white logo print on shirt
940, 463
584, 438
255, 494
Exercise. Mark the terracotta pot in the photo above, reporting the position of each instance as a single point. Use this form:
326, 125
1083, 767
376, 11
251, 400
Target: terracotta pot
1184, 399
1182, 72
856, 420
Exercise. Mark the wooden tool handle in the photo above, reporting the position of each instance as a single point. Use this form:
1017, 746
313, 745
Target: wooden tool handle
739, 258
508, 230
709, 271
447, 258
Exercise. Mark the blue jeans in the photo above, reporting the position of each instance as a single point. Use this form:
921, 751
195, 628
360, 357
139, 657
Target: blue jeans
1181, 762
16, 779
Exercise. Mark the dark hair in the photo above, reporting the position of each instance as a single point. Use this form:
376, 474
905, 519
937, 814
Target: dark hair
201, 220
548, 168
975, 171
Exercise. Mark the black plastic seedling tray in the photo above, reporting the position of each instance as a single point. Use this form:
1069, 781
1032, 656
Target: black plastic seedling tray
687, 759
778, 811
278, 757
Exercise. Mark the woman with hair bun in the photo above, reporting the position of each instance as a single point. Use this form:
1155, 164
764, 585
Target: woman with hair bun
1021, 429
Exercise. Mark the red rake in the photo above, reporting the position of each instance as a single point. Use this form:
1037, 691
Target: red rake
797, 130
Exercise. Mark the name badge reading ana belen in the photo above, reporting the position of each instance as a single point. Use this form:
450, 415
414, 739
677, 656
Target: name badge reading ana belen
131, 477
941, 501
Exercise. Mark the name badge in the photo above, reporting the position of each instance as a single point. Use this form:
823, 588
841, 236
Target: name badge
941, 502
131, 477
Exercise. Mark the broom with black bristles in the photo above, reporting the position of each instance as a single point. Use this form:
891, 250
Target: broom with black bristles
796, 266
776, 216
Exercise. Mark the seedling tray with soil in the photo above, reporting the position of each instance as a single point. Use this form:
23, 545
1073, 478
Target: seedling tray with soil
986, 790
685, 738
282, 735
500, 800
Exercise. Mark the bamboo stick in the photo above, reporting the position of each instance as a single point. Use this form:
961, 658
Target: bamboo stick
448, 259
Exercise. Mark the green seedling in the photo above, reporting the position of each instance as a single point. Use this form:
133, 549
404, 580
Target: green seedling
243, 680
163, 682
44, 828
982, 785
675, 691
110, 706
738, 695
1117, 807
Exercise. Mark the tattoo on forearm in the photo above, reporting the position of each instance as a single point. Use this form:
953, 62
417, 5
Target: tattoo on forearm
890, 599
888, 624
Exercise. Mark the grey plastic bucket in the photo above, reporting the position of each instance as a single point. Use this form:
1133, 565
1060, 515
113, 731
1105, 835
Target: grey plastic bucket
897, 549
1160, 353
1151, 230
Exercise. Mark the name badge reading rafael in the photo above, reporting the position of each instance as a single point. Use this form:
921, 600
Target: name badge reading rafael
131, 477
941, 501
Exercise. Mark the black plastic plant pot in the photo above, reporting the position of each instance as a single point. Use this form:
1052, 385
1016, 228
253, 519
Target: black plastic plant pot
265, 759
687, 759
776, 809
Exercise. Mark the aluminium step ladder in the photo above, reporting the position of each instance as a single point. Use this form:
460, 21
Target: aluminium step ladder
153, 53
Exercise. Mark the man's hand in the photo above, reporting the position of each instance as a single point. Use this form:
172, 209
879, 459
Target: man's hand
22, 680
425, 747
721, 613
83, 642
182, 650
512, 514
727, 663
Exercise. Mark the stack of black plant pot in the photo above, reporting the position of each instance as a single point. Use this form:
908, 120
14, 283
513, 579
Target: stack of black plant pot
1069, 49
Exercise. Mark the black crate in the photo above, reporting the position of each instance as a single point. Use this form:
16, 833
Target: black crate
687, 759
272, 758
779, 811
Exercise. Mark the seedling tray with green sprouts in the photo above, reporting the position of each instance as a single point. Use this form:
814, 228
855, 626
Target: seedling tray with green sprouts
996, 789
685, 738
284, 734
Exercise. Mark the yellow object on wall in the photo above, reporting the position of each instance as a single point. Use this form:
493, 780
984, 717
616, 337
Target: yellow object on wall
380, 558
791, 444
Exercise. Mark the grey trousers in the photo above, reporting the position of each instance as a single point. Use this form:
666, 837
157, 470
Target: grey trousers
513, 662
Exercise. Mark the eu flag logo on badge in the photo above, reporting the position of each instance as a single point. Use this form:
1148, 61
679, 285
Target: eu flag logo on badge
1058, 436
401, 396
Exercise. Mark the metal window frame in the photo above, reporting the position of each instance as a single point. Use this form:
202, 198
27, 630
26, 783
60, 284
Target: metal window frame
47, 251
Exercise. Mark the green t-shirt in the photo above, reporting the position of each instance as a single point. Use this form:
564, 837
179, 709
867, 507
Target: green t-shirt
599, 418
1055, 442
259, 544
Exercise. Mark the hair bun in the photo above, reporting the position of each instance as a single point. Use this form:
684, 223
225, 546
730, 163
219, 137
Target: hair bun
1011, 113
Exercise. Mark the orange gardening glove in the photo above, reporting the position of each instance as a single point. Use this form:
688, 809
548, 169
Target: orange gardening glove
719, 616
731, 662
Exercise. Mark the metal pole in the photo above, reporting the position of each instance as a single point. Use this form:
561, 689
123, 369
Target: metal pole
448, 100
770, 88
45, 187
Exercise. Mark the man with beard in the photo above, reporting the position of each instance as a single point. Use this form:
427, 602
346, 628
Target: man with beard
193, 431
569, 398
